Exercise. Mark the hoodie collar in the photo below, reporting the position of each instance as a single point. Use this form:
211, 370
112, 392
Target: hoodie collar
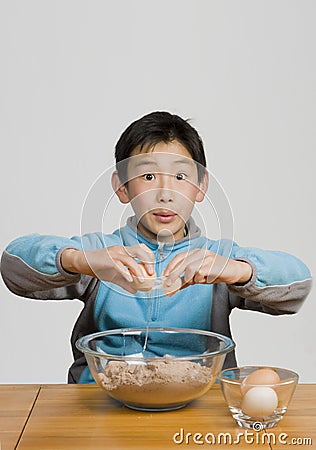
193, 231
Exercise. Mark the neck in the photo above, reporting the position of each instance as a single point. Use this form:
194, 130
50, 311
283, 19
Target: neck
166, 238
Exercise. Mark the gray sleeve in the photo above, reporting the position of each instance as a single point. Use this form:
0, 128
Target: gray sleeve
26, 281
279, 299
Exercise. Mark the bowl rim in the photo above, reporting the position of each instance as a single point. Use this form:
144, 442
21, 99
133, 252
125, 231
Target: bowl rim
293, 376
81, 343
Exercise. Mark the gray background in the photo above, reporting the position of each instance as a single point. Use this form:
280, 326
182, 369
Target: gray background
74, 74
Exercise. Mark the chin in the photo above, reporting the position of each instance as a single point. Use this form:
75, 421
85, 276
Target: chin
162, 231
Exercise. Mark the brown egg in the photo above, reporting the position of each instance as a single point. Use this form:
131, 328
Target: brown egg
149, 282
260, 377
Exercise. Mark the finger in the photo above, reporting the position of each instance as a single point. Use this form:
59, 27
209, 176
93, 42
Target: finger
144, 254
175, 262
200, 278
183, 285
209, 272
190, 272
150, 268
123, 262
178, 260
131, 265
123, 278
124, 271
188, 268
178, 266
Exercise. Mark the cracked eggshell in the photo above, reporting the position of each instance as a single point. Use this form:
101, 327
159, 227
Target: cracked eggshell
149, 282
169, 290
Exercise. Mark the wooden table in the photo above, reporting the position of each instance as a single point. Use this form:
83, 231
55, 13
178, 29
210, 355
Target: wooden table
74, 417
16, 404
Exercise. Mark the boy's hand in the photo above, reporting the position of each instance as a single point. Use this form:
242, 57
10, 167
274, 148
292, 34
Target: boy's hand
200, 266
115, 264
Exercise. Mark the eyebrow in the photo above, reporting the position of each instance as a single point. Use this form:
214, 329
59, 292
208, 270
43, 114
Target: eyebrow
148, 162
145, 163
186, 161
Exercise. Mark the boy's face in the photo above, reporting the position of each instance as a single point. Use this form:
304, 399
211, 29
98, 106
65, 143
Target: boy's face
162, 188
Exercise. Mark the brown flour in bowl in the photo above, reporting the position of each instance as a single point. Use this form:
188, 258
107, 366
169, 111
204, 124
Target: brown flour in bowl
155, 383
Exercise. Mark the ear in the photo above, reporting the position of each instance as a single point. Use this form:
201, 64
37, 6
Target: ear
203, 186
119, 188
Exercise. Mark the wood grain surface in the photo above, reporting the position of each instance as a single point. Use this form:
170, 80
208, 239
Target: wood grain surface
74, 417
16, 402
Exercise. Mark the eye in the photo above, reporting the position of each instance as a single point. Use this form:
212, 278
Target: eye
148, 176
181, 176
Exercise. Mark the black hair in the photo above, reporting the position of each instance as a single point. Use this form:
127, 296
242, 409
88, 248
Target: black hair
159, 126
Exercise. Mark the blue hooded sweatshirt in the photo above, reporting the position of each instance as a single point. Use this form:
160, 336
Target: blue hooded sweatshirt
31, 267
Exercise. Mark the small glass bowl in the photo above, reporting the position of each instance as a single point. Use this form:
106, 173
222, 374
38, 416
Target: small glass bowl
275, 396
155, 369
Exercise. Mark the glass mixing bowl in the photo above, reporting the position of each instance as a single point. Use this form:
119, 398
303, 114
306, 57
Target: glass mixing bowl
155, 369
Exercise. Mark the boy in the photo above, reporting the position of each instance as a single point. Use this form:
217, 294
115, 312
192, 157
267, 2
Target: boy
161, 171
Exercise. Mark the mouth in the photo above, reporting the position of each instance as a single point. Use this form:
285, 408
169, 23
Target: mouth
164, 216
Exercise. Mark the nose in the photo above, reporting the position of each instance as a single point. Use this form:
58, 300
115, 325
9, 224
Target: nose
165, 194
